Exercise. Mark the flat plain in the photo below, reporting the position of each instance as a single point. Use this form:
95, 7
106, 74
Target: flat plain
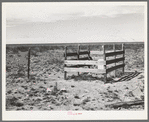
46, 90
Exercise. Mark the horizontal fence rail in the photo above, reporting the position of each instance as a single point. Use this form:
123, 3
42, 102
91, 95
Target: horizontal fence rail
114, 60
97, 53
114, 68
76, 66
84, 58
85, 52
85, 70
87, 62
71, 54
75, 54
114, 53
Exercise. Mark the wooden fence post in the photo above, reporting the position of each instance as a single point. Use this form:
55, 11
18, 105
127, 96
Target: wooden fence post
78, 53
65, 73
105, 67
89, 54
114, 58
28, 63
123, 48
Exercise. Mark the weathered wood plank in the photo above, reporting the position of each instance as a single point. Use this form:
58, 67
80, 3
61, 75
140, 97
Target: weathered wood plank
83, 53
123, 48
84, 58
76, 54
116, 67
78, 65
72, 54
84, 70
96, 53
115, 60
105, 67
114, 53
89, 57
86, 62
97, 58
65, 55
125, 104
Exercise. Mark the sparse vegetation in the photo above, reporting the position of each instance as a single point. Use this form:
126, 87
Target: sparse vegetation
47, 72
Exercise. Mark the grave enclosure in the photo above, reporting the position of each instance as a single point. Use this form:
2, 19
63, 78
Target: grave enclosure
79, 64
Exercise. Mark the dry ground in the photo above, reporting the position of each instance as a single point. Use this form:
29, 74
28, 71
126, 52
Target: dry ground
47, 89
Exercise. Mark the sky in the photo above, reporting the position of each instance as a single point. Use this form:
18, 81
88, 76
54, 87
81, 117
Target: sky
28, 23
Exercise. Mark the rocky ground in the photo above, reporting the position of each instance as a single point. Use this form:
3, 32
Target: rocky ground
47, 89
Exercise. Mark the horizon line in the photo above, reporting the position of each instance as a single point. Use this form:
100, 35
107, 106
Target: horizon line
85, 43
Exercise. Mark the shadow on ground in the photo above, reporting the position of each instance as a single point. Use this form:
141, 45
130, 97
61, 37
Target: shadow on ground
126, 77
86, 77
89, 77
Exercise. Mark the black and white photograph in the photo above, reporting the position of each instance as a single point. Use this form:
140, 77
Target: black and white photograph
74, 60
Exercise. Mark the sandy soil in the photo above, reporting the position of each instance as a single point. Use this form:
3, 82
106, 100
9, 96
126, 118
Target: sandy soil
47, 89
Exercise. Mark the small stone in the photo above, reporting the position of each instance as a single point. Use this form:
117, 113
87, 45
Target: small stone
77, 102
72, 86
86, 91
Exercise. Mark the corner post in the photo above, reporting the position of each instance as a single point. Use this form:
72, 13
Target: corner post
123, 49
78, 53
89, 54
65, 73
115, 62
105, 67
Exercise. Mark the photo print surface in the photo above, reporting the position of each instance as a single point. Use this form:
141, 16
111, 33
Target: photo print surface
74, 59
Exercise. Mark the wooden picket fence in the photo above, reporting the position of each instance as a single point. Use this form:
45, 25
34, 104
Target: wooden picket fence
73, 65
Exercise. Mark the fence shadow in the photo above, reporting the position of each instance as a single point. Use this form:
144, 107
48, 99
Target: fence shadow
86, 77
126, 77
90, 77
